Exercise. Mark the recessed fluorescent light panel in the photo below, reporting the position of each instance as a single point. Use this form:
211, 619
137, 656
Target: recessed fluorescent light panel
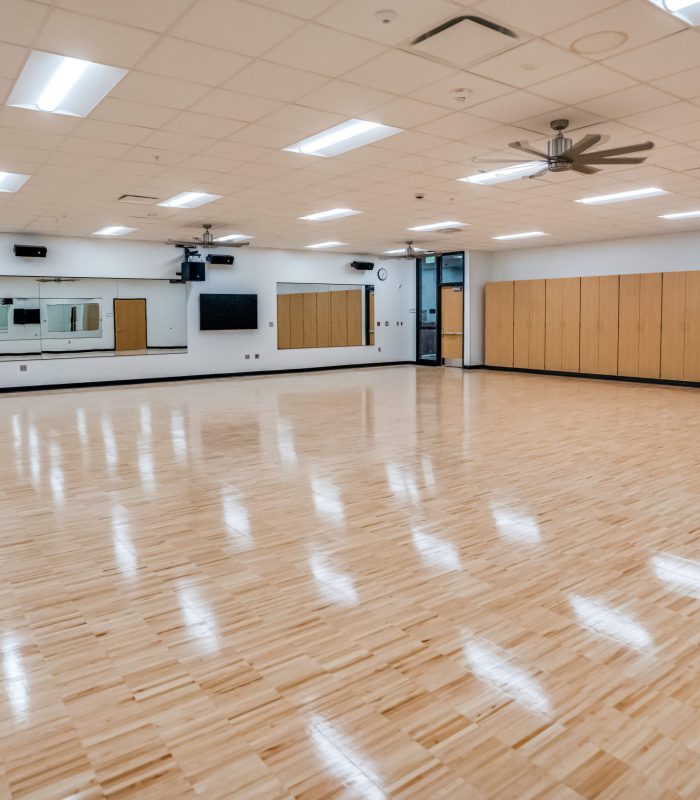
12, 181
233, 237
324, 245
437, 226
62, 85
333, 213
621, 197
687, 10
114, 230
190, 200
679, 215
341, 138
504, 174
527, 235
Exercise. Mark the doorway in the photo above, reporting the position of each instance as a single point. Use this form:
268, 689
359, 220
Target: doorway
440, 306
130, 328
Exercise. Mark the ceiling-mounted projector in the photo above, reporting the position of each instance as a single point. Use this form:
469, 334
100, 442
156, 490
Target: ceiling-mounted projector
29, 251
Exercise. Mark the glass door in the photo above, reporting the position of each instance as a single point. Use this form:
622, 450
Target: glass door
428, 341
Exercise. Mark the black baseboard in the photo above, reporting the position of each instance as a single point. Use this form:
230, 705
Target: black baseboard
134, 381
474, 366
593, 376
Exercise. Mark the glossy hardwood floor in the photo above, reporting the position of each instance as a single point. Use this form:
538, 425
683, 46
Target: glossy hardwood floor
380, 583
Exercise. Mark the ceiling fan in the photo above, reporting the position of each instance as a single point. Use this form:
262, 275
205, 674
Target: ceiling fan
562, 155
206, 240
410, 253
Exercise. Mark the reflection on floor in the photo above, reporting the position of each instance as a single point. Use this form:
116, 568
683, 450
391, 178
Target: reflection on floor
401, 582
151, 351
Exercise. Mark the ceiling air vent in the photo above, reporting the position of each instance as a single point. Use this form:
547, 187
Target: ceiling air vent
138, 199
464, 40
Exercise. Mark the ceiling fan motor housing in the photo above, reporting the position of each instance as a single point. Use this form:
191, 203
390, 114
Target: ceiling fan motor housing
556, 148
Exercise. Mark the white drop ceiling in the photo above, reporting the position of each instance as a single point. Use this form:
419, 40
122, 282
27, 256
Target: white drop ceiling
217, 88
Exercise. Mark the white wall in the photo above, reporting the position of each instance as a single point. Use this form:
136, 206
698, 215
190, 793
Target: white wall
214, 352
672, 252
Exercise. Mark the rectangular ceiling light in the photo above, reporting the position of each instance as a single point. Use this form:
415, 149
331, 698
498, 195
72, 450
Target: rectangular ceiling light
437, 226
524, 170
114, 230
621, 197
62, 85
233, 237
527, 235
333, 213
12, 181
681, 215
341, 138
324, 245
190, 200
687, 10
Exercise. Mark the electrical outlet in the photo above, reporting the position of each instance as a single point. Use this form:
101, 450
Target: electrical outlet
22, 367
257, 355
247, 355
379, 349
271, 324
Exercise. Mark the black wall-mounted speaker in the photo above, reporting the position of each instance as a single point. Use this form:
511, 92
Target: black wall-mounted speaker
29, 251
213, 258
362, 265
192, 271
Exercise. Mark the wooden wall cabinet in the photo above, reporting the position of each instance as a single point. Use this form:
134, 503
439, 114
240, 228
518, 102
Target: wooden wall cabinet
673, 326
499, 324
529, 324
562, 324
320, 319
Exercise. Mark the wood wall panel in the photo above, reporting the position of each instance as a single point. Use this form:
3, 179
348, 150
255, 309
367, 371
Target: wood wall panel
339, 319
649, 325
691, 355
490, 321
323, 319
628, 340
310, 322
571, 326
590, 324
609, 324
296, 320
505, 327
554, 324
521, 324
673, 326
354, 301
536, 333
283, 322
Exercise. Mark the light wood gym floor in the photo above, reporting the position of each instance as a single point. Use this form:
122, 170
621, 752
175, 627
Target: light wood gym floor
378, 583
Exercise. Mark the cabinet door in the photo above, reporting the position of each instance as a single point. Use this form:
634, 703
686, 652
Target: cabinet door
490, 329
537, 323
310, 324
650, 325
339, 318
554, 325
691, 356
296, 315
521, 323
354, 299
673, 326
505, 319
609, 324
323, 319
590, 322
628, 344
571, 324
283, 322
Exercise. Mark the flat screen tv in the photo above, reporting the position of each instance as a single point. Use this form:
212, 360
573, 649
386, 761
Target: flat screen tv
228, 312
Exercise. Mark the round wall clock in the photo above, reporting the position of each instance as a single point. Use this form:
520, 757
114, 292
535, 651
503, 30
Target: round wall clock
382, 274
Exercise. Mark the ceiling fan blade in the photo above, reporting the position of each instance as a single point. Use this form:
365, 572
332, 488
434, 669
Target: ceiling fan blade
594, 159
621, 151
478, 160
584, 169
588, 141
525, 147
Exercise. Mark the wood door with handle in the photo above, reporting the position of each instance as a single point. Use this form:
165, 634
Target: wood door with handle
452, 319
130, 328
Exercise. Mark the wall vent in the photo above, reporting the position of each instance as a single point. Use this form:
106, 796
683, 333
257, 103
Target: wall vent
138, 199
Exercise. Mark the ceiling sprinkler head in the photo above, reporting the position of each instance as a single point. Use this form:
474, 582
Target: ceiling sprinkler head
386, 16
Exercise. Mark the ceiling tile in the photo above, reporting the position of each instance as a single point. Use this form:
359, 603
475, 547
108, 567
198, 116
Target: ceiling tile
175, 58
684, 84
529, 64
143, 87
323, 51
638, 21
203, 125
461, 90
236, 26
405, 113
93, 39
308, 9
179, 142
458, 126
658, 59
111, 131
513, 107
628, 101
143, 114
12, 58
540, 16
154, 15
21, 21
398, 72
362, 18
265, 136
274, 81
669, 116
303, 120
233, 105
345, 98
585, 83
578, 119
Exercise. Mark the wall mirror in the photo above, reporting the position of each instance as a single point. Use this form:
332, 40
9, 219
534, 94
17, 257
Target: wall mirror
82, 317
324, 315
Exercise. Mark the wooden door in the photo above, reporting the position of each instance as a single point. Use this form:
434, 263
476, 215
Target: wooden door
323, 319
609, 324
571, 324
296, 321
629, 329
590, 324
452, 323
283, 322
521, 323
650, 325
554, 324
354, 300
309, 320
691, 355
673, 326
536, 331
130, 332
339, 319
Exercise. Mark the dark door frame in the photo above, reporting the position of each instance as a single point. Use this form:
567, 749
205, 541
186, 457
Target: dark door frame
438, 300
